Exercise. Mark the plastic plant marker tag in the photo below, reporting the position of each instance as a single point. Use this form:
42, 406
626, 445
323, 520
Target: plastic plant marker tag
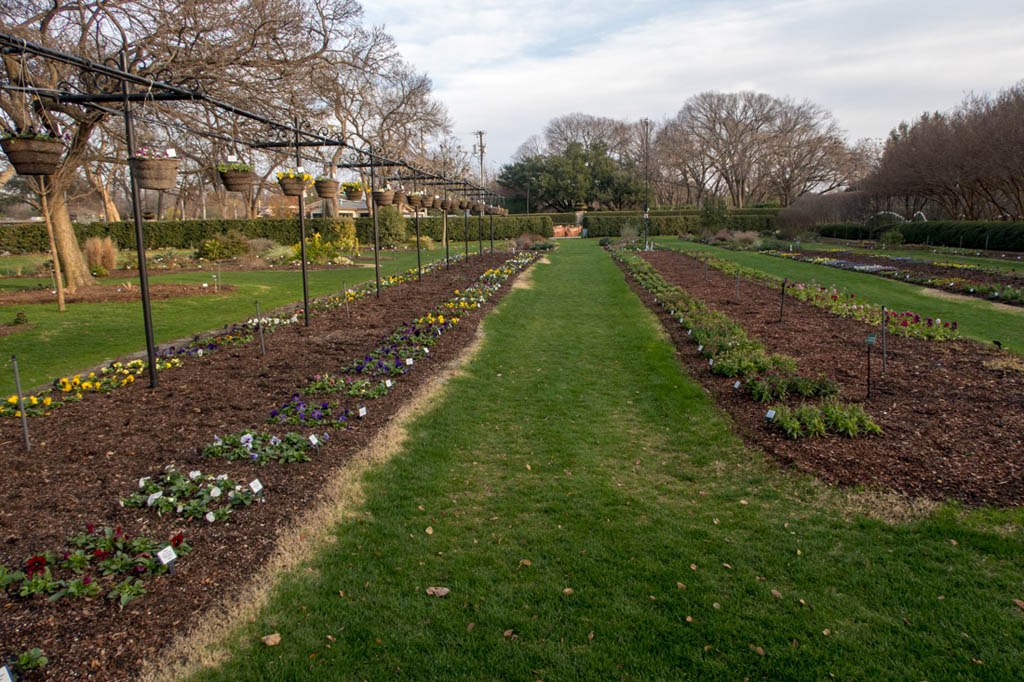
210, 517
153, 498
736, 385
711, 362
171, 154
408, 361
700, 348
5, 675
362, 411
232, 158
314, 440
166, 555
255, 486
388, 383
426, 350
871, 339
770, 414
689, 332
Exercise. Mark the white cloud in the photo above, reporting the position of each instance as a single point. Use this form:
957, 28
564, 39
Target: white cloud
509, 68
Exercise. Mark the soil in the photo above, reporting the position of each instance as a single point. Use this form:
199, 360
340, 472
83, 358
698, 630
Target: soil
87, 455
952, 415
111, 294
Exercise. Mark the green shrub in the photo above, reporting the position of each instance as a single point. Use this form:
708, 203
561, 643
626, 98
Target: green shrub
99, 271
978, 234
222, 246
392, 227
891, 237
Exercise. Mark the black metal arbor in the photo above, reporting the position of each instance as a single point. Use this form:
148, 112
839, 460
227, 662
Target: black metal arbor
112, 83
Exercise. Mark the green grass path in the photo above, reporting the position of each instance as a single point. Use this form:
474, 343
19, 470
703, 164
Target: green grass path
978, 319
88, 334
574, 454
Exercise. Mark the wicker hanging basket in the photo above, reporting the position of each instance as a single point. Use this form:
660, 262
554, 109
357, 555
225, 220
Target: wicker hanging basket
354, 194
326, 189
292, 187
155, 173
383, 197
237, 180
400, 198
463, 204
415, 200
479, 208
446, 204
32, 156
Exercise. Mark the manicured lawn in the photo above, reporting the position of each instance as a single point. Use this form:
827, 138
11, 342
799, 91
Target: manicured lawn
978, 319
84, 335
595, 518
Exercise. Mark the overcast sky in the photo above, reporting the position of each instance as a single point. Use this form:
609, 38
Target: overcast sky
508, 68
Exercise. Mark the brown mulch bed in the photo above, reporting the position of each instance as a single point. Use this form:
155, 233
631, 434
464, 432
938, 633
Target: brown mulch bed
952, 427
111, 294
1013, 279
87, 455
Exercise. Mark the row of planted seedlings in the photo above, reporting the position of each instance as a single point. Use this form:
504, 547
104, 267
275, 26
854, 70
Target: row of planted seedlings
107, 561
836, 301
70, 389
770, 378
1004, 293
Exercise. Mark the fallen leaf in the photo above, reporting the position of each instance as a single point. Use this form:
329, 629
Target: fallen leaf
794, 644
567, 590
509, 632
757, 649
776, 594
469, 628
760, 578
438, 591
689, 619
429, 531
330, 637
716, 605
727, 565
803, 603
693, 567
826, 632
420, 507
743, 502
528, 468
271, 640
952, 542
591, 636
681, 586
525, 562
341, 593
715, 521
707, 647
1019, 603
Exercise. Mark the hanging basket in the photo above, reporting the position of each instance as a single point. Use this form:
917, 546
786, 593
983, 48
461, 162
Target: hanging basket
32, 156
415, 200
479, 208
354, 194
237, 180
400, 198
435, 202
292, 187
326, 189
155, 173
446, 204
383, 197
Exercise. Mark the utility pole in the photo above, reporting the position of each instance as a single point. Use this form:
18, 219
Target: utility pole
478, 149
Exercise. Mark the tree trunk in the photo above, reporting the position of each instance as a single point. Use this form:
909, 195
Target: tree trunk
76, 271
5, 175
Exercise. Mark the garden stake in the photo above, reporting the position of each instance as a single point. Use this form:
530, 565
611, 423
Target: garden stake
492, 233
465, 232
419, 264
480, 234
782, 299
21, 403
259, 326
885, 323
869, 368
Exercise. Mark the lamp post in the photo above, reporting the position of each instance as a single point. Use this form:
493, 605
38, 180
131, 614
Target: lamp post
645, 123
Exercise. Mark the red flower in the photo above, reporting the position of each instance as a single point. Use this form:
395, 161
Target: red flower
87, 579
118, 532
177, 540
100, 554
90, 528
36, 564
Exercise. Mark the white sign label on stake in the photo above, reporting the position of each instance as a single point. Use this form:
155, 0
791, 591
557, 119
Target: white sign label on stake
362, 411
426, 350
408, 361
171, 153
388, 383
700, 348
166, 555
689, 331
770, 414
5, 675
314, 440
711, 362
255, 486
736, 385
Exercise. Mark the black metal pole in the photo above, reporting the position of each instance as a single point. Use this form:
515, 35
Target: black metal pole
465, 231
419, 264
869, 370
480, 234
376, 228
444, 229
302, 227
782, 299
492, 233
140, 238
259, 327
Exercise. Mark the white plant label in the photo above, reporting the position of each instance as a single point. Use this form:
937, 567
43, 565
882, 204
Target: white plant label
426, 350
362, 411
153, 498
770, 414
5, 675
388, 383
215, 492
736, 385
700, 348
314, 440
166, 555
210, 517
232, 158
408, 361
171, 154
689, 331
711, 362
255, 486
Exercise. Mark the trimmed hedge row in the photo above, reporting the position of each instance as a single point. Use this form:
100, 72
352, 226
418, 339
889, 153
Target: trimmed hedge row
999, 236
610, 224
31, 237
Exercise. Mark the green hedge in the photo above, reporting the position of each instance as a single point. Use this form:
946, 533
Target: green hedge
31, 237
609, 224
1000, 236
